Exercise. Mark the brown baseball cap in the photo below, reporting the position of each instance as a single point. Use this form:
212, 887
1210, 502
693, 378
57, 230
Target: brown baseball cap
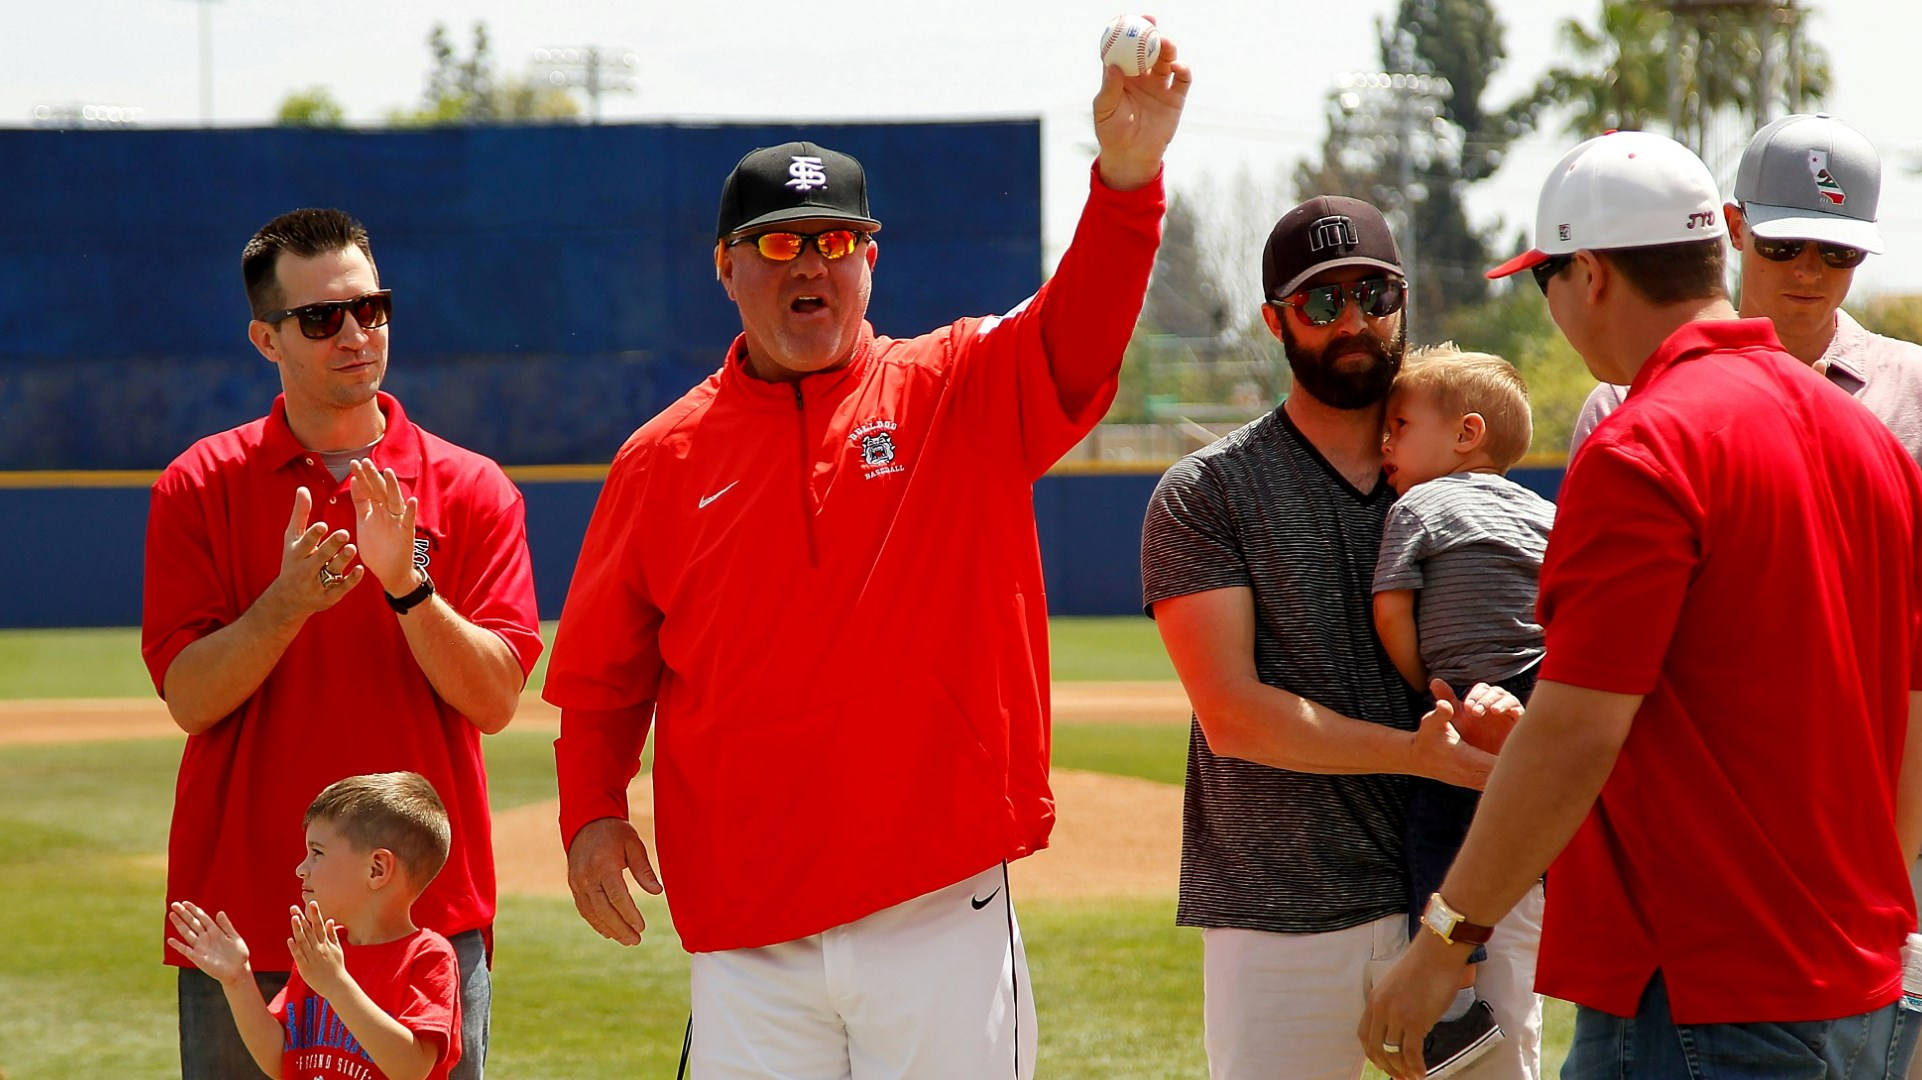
1326, 232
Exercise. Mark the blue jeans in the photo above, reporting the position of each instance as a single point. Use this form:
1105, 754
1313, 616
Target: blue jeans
1651, 1046
210, 1043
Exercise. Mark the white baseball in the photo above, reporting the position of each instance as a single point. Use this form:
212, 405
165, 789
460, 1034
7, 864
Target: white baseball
1130, 43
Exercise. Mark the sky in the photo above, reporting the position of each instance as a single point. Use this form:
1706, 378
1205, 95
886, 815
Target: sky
1262, 72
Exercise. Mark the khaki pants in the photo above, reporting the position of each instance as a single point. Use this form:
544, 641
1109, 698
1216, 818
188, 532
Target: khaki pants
1288, 1005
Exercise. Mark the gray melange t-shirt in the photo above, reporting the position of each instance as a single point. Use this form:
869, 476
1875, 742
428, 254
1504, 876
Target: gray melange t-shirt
1265, 848
1472, 543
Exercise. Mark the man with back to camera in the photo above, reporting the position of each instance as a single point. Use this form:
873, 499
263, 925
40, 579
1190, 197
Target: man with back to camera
1715, 756
286, 667
1803, 219
816, 576
1258, 558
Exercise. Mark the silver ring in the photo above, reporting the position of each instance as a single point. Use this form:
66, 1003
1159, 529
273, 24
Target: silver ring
329, 579
1391, 1048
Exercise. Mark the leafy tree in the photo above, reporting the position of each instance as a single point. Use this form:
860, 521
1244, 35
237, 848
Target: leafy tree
1893, 316
313, 107
1513, 323
1201, 351
466, 90
1743, 64
1183, 299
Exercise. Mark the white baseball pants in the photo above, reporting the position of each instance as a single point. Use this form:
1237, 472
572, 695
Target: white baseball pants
931, 989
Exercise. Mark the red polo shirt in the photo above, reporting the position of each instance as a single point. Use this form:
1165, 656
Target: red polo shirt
1739, 543
347, 697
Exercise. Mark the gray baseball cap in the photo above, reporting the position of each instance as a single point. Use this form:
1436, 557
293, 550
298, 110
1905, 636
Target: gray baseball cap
1811, 177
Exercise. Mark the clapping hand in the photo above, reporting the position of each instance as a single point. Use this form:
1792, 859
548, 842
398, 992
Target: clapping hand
210, 943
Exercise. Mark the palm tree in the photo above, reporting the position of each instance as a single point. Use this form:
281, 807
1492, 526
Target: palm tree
1707, 71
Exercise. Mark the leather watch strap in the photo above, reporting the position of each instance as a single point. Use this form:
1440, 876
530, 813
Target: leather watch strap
404, 604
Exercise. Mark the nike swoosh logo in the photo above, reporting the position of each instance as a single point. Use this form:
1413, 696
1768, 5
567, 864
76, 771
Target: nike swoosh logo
710, 498
983, 901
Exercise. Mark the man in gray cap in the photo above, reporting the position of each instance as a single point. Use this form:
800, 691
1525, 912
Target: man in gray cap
1803, 219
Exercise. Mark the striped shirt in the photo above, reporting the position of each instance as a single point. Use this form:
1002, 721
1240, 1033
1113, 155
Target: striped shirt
1472, 544
1265, 848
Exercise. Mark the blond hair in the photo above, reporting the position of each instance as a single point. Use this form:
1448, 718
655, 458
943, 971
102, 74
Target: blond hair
1461, 382
399, 811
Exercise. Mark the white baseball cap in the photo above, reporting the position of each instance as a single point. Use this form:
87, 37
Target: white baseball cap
1620, 190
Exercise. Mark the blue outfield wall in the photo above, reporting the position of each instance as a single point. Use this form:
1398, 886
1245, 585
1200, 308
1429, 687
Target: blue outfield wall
553, 285
75, 553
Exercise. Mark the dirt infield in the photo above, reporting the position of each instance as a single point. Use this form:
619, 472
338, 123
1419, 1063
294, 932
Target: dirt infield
89, 719
1114, 835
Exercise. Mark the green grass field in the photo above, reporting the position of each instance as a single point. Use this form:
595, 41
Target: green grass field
105, 663
82, 842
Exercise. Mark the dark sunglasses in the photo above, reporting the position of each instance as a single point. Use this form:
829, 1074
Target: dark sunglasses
787, 246
1548, 268
323, 320
1835, 255
1378, 298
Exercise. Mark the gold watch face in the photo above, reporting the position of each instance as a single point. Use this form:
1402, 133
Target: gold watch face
1440, 917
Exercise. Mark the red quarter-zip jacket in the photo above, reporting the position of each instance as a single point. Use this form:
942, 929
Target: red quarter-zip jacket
828, 595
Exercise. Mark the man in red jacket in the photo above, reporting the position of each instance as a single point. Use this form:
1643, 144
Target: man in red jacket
819, 571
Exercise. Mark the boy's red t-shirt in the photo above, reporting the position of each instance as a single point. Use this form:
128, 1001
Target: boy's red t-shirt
414, 979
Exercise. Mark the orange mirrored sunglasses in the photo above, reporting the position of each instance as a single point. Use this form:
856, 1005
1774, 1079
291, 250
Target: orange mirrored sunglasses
787, 246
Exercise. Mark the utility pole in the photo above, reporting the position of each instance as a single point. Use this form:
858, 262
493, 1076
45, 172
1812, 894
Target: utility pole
206, 62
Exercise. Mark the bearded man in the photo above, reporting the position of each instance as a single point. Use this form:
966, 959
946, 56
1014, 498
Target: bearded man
1257, 559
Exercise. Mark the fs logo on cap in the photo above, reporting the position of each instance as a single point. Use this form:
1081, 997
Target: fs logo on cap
1824, 179
807, 174
1564, 232
1336, 230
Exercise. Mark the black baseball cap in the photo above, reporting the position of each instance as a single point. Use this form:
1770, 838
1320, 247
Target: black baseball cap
1323, 233
793, 182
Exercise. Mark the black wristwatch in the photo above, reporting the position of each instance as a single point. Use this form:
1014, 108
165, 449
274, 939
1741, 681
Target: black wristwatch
404, 604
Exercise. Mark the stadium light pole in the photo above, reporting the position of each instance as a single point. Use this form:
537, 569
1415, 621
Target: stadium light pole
1399, 109
593, 68
206, 62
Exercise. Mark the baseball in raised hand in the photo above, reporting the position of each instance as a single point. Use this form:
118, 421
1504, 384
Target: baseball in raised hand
1131, 43
1135, 115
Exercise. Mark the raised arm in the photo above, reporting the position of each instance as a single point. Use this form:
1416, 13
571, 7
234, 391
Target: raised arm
210, 678
1087, 311
214, 947
469, 666
400, 1052
1135, 118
